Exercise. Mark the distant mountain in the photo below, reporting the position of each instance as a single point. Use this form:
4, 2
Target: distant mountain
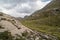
46, 20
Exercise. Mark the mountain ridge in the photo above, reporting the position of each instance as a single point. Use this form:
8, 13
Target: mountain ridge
45, 20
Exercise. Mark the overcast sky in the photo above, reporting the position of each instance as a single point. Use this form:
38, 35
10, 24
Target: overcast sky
21, 8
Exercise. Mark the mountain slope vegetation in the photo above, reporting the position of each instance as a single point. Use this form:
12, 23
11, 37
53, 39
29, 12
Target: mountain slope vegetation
46, 20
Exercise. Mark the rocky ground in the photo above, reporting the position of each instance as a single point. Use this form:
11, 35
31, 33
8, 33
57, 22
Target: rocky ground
8, 23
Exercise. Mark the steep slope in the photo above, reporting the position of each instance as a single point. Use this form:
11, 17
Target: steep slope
53, 6
12, 29
46, 20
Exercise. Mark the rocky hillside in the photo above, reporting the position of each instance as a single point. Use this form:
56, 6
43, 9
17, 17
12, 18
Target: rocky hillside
52, 8
46, 20
12, 29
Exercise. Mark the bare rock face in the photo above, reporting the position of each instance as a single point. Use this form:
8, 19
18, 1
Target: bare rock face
8, 23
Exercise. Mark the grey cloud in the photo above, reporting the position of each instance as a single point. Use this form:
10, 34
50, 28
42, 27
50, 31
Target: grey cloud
13, 3
32, 4
25, 10
8, 4
45, 0
9, 1
24, 1
16, 1
9, 7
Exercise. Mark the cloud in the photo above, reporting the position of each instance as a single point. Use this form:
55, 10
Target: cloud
25, 8
45, 0
21, 8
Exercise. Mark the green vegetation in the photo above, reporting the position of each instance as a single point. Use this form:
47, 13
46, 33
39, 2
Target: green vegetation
25, 34
6, 36
43, 27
